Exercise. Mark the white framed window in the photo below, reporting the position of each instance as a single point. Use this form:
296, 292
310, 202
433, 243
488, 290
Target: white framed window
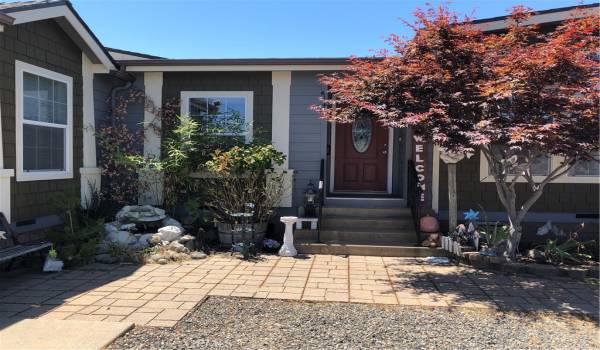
222, 107
580, 173
44, 123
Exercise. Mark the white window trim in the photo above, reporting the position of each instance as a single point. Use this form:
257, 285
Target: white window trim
248, 97
20, 68
554, 163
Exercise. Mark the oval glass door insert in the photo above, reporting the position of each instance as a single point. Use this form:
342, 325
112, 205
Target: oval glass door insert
362, 133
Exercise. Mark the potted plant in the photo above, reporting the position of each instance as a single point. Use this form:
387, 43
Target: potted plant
52, 263
242, 176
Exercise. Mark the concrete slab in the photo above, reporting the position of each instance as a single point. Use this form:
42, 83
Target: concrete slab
61, 334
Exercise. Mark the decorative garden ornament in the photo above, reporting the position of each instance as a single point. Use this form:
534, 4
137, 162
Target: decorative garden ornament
288, 249
451, 158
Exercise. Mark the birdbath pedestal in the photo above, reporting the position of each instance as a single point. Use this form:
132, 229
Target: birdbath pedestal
288, 249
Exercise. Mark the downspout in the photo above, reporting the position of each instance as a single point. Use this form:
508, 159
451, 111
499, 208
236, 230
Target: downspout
128, 80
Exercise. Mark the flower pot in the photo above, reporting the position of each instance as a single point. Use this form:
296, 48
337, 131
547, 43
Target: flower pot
53, 265
229, 231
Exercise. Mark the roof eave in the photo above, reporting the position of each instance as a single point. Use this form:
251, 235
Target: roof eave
64, 9
6, 20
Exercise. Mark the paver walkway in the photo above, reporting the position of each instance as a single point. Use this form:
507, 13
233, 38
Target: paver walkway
160, 295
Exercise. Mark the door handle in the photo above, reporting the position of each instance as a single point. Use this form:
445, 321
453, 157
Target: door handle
385, 149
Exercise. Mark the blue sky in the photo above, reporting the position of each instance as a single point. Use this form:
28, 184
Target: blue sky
266, 28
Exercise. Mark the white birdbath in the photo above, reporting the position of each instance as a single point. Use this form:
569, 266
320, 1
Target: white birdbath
287, 249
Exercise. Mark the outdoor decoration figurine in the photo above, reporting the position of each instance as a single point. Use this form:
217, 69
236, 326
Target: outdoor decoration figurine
310, 201
288, 249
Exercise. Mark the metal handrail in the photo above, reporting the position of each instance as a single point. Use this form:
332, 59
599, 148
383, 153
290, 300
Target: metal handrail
413, 196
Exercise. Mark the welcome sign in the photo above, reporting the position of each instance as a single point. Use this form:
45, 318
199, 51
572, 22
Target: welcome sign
420, 156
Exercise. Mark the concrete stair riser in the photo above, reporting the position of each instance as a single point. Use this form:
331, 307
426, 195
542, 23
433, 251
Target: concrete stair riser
359, 224
367, 250
368, 213
365, 202
363, 237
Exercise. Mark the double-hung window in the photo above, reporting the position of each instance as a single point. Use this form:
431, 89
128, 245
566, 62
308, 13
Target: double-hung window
228, 113
590, 168
44, 123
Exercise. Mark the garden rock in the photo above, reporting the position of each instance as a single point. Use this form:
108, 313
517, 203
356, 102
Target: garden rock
172, 222
186, 238
140, 213
121, 237
177, 247
187, 241
155, 239
127, 227
536, 255
106, 259
102, 248
197, 255
110, 227
162, 261
145, 239
170, 233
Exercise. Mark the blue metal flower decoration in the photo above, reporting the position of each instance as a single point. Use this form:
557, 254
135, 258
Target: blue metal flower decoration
471, 215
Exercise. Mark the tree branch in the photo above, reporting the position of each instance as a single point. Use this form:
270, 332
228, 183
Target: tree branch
562, 169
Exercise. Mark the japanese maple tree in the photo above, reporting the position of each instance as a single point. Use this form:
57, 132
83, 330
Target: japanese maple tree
513, 96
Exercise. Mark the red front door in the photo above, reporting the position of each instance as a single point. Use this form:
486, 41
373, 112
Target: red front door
360, 156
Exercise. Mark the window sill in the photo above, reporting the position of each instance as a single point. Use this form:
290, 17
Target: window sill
43, 176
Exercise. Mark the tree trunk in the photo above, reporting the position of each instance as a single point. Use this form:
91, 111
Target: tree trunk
514, 237
452, 206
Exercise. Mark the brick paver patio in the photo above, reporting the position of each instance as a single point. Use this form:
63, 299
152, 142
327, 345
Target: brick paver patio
160, 295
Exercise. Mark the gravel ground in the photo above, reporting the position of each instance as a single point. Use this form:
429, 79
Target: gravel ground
235, 323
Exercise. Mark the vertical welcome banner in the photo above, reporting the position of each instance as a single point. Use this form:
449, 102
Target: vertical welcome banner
420, 157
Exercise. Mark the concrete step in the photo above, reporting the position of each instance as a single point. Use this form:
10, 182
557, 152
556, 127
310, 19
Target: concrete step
343, 248
406, 237
361, 224
368, 213
345, 202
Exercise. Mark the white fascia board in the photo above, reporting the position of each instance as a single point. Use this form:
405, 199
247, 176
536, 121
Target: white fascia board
539, 19
63, 11
235, 68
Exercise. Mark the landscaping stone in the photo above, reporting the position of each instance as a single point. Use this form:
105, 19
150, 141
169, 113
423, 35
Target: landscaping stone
172, 222
170, 233
121, 237
140, 213
135, 218
231, 323
155, 239
145, 238
110, 227
177, 247
127, 227
198, 255
102, 248
163, 261
106, 259
536, 255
